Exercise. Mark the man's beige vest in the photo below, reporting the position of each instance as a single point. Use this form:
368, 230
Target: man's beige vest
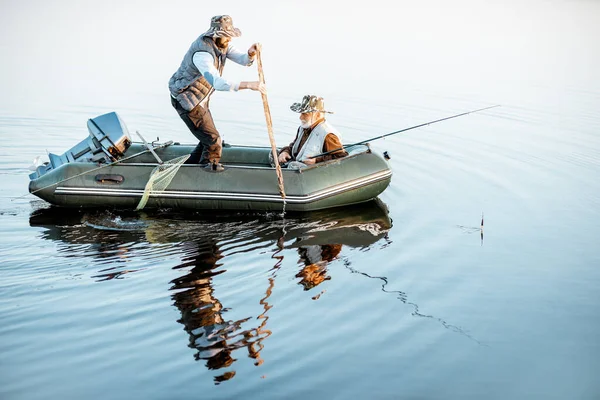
314, 143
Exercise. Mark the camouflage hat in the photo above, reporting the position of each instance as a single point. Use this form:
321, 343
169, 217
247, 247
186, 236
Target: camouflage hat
222, 26
310, 104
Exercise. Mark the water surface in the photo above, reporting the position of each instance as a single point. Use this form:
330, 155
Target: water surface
397, 298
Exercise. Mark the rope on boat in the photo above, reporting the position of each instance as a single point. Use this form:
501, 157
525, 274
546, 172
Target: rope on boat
170, 142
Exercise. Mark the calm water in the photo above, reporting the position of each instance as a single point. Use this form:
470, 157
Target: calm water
397, 298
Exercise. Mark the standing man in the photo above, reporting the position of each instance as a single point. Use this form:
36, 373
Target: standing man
314, 136
198, 76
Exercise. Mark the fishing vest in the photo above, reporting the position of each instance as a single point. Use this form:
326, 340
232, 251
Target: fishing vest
315, 141
187, 84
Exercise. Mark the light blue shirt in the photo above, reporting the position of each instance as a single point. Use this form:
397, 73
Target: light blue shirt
205, 63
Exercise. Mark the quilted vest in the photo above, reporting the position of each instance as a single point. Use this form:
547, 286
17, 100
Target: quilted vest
187, 84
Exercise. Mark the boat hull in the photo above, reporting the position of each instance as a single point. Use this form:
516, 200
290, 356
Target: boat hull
247, 183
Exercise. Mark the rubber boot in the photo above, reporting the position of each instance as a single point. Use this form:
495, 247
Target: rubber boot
215, 167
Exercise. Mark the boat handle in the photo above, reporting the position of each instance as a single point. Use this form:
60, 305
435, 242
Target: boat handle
111, 179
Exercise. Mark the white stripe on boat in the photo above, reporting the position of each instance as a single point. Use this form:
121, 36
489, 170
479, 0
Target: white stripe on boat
181, 194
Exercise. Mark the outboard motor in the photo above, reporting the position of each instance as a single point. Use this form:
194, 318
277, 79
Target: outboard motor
107, 142
110, 132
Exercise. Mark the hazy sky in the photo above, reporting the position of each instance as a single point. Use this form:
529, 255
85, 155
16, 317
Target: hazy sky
323, 46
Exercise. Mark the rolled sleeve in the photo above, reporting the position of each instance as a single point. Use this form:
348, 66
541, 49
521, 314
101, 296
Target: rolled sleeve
239, 57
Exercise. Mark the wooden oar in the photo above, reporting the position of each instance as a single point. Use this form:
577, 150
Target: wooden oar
261, 78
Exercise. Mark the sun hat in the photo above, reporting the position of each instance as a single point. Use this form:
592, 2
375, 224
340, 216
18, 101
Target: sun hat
222, 26
309, 104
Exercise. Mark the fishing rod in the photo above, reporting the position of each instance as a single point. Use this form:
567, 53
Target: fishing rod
402, 130
170, 142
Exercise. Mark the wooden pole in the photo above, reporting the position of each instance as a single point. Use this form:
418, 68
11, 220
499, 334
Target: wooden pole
261, 78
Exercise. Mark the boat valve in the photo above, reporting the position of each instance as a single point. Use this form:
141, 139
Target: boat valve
386, 155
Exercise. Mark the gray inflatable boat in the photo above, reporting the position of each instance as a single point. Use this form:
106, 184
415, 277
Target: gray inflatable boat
108, 170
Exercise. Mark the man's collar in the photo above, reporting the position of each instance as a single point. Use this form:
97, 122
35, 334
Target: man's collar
317, 122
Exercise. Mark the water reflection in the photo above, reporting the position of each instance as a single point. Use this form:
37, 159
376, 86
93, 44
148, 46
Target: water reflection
196, 240
402, 296
316, 258
203, 316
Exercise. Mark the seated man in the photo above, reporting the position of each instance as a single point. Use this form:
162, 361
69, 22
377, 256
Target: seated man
314, 136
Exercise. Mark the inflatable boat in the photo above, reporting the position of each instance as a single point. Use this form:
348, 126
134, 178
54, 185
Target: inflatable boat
107, 169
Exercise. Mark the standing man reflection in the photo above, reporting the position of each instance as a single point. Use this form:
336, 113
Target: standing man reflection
201, 311
202, 314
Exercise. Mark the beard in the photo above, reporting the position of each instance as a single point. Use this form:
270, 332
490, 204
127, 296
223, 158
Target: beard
222, 43
306, 123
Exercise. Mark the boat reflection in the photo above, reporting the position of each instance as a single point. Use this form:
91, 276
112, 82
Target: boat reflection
318, 238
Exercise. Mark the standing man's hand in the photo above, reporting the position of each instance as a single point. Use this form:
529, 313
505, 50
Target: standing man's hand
309, 161
254, 85
255, 48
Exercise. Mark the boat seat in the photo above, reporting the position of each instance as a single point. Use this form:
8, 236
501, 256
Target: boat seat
251, 156
357, 149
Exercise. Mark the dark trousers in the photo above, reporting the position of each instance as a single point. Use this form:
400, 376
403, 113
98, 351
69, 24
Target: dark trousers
200, 122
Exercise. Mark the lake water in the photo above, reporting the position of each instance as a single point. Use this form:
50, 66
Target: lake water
401, 298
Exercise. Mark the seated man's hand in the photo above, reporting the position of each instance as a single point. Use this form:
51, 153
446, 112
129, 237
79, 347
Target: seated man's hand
283, 157
309, 161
